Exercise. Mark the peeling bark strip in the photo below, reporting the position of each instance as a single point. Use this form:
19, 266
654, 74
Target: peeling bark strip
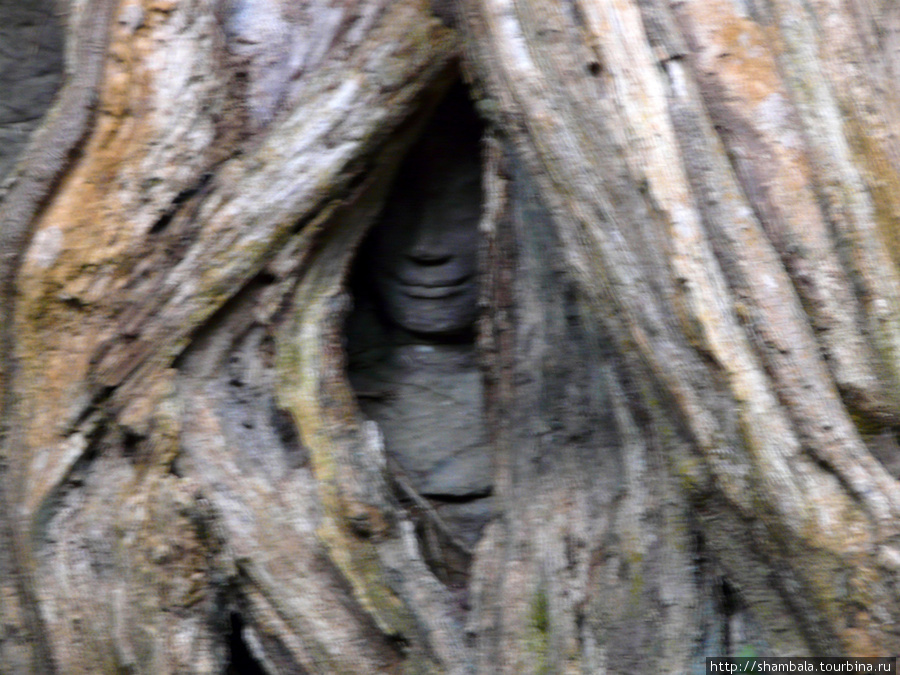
751, 107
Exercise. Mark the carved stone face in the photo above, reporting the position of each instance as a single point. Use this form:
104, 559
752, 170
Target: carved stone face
423, 254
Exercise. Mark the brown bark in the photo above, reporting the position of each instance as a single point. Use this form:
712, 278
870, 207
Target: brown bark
690, 335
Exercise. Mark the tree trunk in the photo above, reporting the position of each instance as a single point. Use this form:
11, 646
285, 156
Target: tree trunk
689, 340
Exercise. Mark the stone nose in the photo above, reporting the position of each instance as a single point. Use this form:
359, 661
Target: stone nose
429, 247
429, 258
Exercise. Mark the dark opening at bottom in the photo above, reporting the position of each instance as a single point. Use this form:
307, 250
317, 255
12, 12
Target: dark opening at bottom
241, 661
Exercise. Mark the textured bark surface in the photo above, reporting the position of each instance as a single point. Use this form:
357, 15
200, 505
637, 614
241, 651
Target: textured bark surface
689, 339
730, 236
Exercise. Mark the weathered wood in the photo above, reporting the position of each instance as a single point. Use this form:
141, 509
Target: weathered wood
177, 179
690, 249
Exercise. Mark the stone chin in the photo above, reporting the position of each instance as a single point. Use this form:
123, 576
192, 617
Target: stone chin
431, 311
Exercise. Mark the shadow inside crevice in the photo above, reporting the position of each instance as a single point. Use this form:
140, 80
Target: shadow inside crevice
240, 659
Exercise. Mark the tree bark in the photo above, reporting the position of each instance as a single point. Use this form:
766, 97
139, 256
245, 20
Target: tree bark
689, 337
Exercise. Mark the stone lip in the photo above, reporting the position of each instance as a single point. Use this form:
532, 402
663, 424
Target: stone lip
434, 290
432, 310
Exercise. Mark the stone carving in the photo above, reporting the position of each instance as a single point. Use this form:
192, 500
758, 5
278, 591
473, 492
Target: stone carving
410, 339
422, 255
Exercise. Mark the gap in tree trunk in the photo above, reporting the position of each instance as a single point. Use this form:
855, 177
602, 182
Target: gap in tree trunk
411, 343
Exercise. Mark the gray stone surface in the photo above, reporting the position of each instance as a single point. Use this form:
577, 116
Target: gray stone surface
31, 70
427, 400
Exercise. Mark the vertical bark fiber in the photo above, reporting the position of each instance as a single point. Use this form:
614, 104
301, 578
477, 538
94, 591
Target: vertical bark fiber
697, 209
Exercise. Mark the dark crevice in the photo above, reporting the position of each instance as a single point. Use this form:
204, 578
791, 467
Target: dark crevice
729, 604
240, 302
178, 201
240, 660
458, 499
130, 444
99, 398
283, 424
